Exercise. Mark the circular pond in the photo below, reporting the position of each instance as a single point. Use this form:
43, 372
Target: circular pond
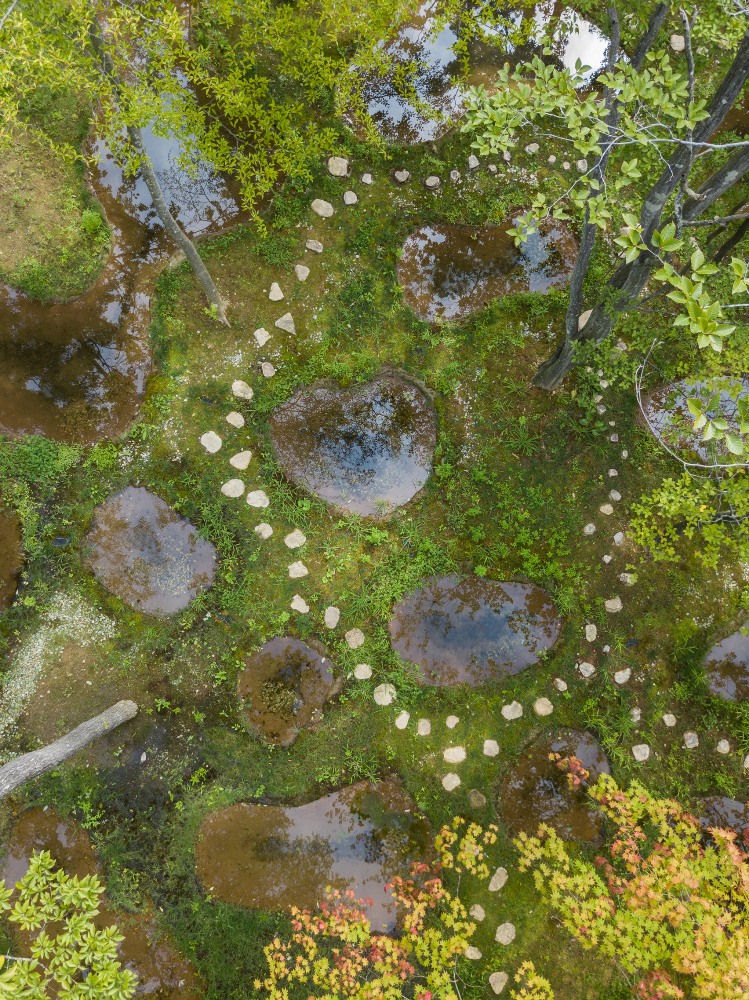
536, 790
366, 449
448, 271
283, 688
725, 813
145, 553
727, 666
471, 630
10, 556
276, 857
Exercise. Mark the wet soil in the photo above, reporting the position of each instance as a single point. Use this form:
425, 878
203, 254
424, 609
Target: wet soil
366, 449
720, 811
276, 857
448, 271
727, 666
10, 556
284, 687
472, 630
145, 553
536, 791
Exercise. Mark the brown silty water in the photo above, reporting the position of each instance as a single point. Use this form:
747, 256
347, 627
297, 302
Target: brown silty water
76, 371
366, 449
145, 553
727, 666
449, 271
536, 791
10, 556
277, 857
472, 630
284, 687
161, 970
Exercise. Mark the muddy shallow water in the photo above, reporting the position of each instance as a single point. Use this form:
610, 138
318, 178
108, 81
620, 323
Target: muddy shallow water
472, 630
10, 556
720, 811
448, 271
727, 666
366, 449
276, 857
536, 791
145, 553
284, 687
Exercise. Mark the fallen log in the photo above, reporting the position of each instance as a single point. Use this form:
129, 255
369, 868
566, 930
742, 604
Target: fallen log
31, 765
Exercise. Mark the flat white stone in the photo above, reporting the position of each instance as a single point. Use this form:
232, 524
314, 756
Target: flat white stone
241, 390
451, 721
723, 747
622, 676
263, 530
477, 912
619, 538
241, 460
615, 495
613, 605
314, 245
551, 160
424, 727
625, 453
322, 208
332, 616
627, 579
354, 638
301, 271
582, 165
498, 981
507, 156
566, 165
498, 880
402, 720
367, 179
450, 782
591, 632
583, 318
606, 509
613, 473
338, 166
295, 539
586, 669
275, 294
559, 684
746, 762
532, 148
607, 558
235, 419
512, 711
454, 755
297, 570
233, 488
601, 409
286, 323
635, 714
362, 671
669, 719
471, 952
492, 168
258, 498
299, 604
691, 740
491, 748
350, 197
614, 438
641, 752
455, 176
589, 529
678, 43
607, 649
473, 161
267, 369
432, 182
384, 694
401, 176
505, 933
542, 706
211, 442
261, 336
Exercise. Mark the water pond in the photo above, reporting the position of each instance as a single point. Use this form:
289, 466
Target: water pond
10, 556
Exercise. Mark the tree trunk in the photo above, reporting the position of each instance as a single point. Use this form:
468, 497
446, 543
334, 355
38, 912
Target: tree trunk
31, 765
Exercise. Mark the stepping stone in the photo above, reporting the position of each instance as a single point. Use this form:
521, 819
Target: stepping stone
746, 762
559, 684
241, 390
619, 538
450, 782
499, 880
582, 165
477, 912
299, 604
622, 676
455, 176
295, 539
607, 559
401, 176
542, 706
402, 720
241, 460
263, 530
591, 633
235, 419
615, 495
625, 453
473, 162
267, 369
532, 148
669, 719
507, 156
678, 43
451, 721
258, 498
367, 179
606, 509
362, 671
613, 473
314, 245
601, 409
723, 747
635, 714
566, 165
454, 755
424, 727
384, 694
297, 570
614, 438
613, 605
551, 160
261, 336
301, 272
471, 951
476, 799
641, 752
607, 649
627, 579
332, 616
338, 166
691, 740
505, 933
286, 323
432, 182
354, 638
350, 198
512, 711
275, 294
322, 208
586, 669
589, 529
234, 488
491, 748
211, 442
498, 981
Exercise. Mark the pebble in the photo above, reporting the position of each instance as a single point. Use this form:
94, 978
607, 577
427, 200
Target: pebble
613, 605
746, 762
301, 272
211, 442
473, 162
362, 671
532, 148
622, 676
350, 197
267, 369
322, 208
401, 176
354, 638
498, 981
235, 419
723, 747
505, 933
621, 346
641, 752
332, 616
261, 336
601, 409
233, 488
627, 579
691, 740
635, 714
384, 694
582, 165
263, 530
492, 168
402, 720
450, 782
613, 473
295, 539
423, 727
507, 156
542, 707
512, 711
586, 669
338, 166
606, 509
367, 179
241, 390
432, 182
451, 721
498, 880
286, 323
258, 498
455, 176
241, 460
591, 632
314, 245
566, 165
559, 684
471, 951
614, 438
603, 383
589, 529
669, 719
615, 495
477, 912
619, 538
299, 604
625, 453
275, 294
678, 43
551, 160
297, 570
607, 649
454, 755
476, 799
607, 559
491, 748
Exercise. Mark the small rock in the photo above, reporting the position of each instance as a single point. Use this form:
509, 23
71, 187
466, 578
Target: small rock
559, 684
607, 559
454, 755
476, 799
499, 880
641, 752
234, 488
241, 460
542, 707
299, 604
402, 720
332, 616
600, 409
295, 539
586, 669
362, 671
241, 390
635, 714
471, 952
455, 176
384, 694
263, 530
423, 727
275, 294
367, 179
566, 165
350, 198
338, 166
314, 245
492, 168
512, 711
619, 538
591, 632
613, 605
297, 570
691, 740
505, 933
476, 912
450, 782
621, 346
473, 162
211, 442
583, 318
723, 747
235, 419
622, 676
401, 176
432, 182
507, 156
354, 638
607, 649
551, 160
322, 208
498, 981
614, 438
678, 43
451, 721
582, 165
261, 336
301, 271
615, 495
669, 719
267, 369
589, 529
532, 148
746, 762
286, 323
606, 509
613, 473
258, 498
491, 748
625, 453
627, 579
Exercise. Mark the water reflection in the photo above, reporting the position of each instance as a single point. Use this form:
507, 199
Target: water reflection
10, 556
720, 811
727, 666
